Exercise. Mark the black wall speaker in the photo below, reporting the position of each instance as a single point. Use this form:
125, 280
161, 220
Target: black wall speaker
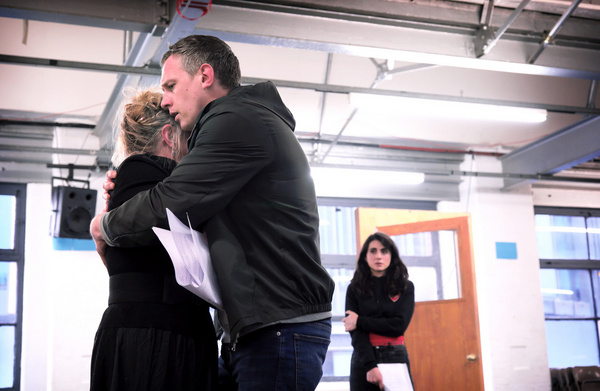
73, 210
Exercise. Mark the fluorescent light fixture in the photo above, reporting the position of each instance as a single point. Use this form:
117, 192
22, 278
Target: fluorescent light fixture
550, 291
341, 177
448, 109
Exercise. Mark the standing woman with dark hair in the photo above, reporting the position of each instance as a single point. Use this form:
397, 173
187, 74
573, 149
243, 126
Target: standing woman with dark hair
380, 302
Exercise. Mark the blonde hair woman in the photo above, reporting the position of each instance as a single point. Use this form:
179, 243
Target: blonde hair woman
154, 335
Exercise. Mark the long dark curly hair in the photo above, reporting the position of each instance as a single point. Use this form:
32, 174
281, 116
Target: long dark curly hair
396, 275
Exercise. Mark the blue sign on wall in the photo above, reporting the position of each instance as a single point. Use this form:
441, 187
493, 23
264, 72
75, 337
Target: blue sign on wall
506, 250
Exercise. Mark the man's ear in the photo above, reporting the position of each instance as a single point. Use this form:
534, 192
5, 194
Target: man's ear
166, 132
207, 75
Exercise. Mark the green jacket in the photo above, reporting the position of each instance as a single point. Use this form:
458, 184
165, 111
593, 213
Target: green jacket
246, 182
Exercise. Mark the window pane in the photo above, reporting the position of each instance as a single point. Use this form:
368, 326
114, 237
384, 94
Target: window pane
414, 245
337, 230
561, 237
567, 293
571, 343
7, 356
426, 283
7, 222
342, 278
8, 292
337, 362
432, 262
596, 283
593, 224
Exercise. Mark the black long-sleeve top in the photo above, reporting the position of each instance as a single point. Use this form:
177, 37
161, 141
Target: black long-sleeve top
138, 173
378, 314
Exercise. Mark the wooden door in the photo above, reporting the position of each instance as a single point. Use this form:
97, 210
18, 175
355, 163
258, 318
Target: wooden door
443, 337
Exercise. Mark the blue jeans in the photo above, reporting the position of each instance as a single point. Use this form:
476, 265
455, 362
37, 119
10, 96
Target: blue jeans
276, 358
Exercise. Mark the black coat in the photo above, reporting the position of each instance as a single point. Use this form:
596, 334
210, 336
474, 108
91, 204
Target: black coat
246, 165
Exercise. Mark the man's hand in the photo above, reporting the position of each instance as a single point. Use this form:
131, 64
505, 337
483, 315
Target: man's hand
350, 320
108, 185
97, 236
374, 377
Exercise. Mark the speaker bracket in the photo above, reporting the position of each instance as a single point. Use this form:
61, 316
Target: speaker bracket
71, 167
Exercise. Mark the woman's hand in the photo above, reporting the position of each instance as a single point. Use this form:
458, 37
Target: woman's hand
374, 376
108, 185
350, 320
97, 236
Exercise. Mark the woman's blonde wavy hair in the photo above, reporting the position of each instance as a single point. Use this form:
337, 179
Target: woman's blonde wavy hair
141, 122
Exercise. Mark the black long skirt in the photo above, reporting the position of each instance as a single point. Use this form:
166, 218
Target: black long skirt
154, 346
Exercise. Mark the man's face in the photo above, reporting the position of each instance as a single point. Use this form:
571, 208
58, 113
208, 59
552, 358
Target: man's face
183, 94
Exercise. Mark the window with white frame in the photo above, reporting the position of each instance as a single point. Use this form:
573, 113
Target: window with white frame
568, 243
337, 231
12, 238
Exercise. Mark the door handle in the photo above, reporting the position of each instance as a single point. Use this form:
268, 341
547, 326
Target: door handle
472, 357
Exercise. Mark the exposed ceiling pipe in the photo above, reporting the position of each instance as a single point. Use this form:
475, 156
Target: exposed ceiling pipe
78, 65
324, 94
382, 71
405, 94
554, 31
60, 151
337, 136
592, 94
99, 168
545, 177
6, 122
486, 12
539, 177
486, 39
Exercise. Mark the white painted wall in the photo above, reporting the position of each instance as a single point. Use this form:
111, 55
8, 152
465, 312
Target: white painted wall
65, 292
509, 296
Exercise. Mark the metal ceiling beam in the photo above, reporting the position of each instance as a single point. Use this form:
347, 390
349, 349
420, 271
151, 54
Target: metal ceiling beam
79, 65
486, 38
552, 34
406, 94
591, 98
25, 173
60, 151
29, 133
429, 41
559, 151
524, 177
508, 57
441, 16
145, 56
430, 33
132, 15
136, 63
331, 88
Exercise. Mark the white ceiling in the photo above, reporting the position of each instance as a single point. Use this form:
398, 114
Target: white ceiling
70, 64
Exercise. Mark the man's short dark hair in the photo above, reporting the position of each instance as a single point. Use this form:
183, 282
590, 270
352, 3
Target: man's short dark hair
195, 50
